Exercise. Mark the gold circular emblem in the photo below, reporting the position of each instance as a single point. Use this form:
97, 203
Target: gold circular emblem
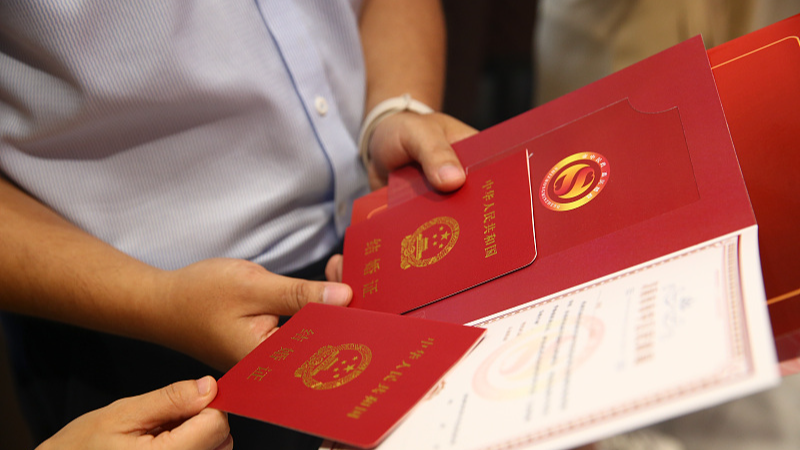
574, 181
332, 366
430, 242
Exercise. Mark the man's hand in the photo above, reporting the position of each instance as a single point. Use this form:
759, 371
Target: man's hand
406, 137
218, 310
334, 268
174, 417
215, 310
404, 53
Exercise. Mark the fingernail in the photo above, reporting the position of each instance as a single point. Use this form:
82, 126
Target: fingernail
204, 385
449, 173
336, 294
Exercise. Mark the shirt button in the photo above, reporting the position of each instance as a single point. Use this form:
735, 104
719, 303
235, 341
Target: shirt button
321, 104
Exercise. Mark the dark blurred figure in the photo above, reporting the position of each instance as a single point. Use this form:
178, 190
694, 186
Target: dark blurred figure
489, 71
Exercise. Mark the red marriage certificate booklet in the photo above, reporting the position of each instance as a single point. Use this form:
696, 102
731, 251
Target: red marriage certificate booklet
343, 374
436, 245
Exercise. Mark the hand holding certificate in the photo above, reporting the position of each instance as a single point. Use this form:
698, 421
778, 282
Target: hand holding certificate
634, 295
343, 374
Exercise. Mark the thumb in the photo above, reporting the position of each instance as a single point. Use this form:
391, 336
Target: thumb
184, 403
291, 294
334, 267
170, 404
429, 145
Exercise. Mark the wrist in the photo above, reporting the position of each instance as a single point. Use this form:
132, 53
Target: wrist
381, 111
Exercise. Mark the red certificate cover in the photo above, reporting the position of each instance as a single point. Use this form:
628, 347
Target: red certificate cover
409, 255
654, 134
674, 178
343, 374
758, 77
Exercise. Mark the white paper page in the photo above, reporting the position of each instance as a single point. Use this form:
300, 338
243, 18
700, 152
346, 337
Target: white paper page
663, 339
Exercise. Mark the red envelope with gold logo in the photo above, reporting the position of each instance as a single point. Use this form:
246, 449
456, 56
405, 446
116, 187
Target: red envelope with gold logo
436, 245
343, 374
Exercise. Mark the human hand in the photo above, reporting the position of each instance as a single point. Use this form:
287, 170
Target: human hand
218, 310
425, 138
174, 417
334, 268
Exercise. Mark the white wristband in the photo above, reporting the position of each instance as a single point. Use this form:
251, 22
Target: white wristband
381, 111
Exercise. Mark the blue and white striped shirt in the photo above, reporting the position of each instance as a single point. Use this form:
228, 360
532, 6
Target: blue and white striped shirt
179, 131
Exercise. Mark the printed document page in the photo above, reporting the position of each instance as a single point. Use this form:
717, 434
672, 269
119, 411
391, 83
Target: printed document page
663, 339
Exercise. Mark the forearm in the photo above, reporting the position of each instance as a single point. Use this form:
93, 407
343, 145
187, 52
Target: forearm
404, 50
51, 269
215, 310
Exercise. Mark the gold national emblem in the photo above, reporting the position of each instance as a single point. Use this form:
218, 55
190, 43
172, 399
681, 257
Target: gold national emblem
332, 366
429, 243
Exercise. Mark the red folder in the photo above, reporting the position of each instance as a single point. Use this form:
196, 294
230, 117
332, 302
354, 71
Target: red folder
758, 77
670, 179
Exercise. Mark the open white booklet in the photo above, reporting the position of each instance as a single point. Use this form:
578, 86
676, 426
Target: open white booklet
675, 335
